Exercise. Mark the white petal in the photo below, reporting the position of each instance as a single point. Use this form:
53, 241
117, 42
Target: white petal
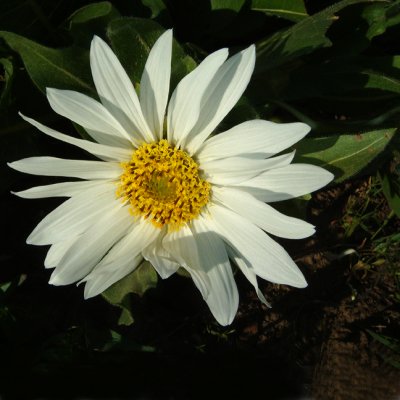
86, 252
122, 259
116, 91
268, 259
52, 166
185, 103
233, 170
57, 251
223, 297
63, 189
183, 247
222, 94
154, 84
100, 150
109, 140
252, 138
287, 182
85, 111
75, 215
160, 258
263, 215
248, 272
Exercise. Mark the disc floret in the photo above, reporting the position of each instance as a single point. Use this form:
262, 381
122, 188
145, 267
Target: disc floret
163, 184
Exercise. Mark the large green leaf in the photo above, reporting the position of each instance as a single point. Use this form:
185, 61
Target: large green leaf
138, 282
66, 68
302, 38
344, 155
90, 20
292, 10
132, 40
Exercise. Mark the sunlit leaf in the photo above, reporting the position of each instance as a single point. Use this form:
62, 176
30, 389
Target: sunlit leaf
292, 10
302, 38
61, 68
344, 155
90, 20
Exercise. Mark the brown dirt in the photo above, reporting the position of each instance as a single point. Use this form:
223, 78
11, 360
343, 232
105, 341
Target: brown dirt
324, 328
351, 365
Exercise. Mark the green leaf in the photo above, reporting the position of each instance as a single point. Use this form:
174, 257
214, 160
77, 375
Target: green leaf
377, 80
344, 155
390, 342
91, 20
125, 343
382, 16
156, 7
143, 278
296, 207
340, 77
138, 282
6, 79
132, 40
375, 15
300, 39
393, 14
234, 5
292, 10
60, 68
391, 190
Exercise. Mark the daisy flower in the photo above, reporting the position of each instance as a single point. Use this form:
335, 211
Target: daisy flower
166, 190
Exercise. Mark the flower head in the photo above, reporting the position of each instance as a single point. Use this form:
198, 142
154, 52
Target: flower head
172, 196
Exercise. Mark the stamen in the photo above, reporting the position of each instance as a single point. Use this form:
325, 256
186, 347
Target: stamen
162, 183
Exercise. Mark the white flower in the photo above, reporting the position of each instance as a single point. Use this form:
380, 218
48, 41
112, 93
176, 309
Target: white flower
174, 197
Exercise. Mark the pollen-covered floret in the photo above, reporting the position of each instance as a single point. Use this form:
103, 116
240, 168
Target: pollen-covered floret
163, 183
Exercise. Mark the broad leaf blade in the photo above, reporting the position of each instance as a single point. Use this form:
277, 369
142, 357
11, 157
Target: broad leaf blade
292, 10
90, 20
344, 155
60, 68
302, 38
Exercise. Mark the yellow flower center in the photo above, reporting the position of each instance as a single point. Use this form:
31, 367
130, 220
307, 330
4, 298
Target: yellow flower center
162, 183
